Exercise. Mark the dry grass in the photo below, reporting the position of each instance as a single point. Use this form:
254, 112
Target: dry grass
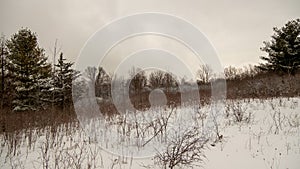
15, 121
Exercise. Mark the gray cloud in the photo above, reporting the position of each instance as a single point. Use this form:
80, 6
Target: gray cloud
236, 28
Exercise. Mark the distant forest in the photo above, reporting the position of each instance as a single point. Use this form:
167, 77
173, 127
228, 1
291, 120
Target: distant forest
30, 83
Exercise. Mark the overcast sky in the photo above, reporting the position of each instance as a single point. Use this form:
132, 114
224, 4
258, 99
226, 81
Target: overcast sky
236, 28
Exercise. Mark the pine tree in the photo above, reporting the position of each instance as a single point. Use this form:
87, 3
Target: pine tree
102, 84
283, 50
3, 72
30, 70
63, 77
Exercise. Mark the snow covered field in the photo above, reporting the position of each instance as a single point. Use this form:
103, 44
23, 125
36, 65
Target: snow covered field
250, 134
271, 140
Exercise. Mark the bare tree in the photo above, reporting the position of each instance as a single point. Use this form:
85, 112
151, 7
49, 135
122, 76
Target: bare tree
169, 82
55, 53
138, 80
156, 79
230, 73
204, 73
137, 84
90, 73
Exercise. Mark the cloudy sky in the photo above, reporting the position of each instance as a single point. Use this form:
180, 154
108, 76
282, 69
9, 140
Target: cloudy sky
236, 28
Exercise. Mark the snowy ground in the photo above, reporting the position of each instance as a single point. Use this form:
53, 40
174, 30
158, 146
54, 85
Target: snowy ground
271, 140
255, 134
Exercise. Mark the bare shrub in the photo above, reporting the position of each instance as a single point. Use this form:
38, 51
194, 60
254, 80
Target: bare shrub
278, 118
294, 120
238, 112
183, 150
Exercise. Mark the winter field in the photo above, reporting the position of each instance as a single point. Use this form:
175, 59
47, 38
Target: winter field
251, 133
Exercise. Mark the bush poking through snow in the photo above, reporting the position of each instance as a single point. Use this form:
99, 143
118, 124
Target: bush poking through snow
238, 112
184, 150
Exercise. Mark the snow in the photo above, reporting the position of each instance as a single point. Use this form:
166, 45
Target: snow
269, 140
256, 145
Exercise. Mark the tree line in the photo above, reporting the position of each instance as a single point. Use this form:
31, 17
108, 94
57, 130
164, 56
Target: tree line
29, 82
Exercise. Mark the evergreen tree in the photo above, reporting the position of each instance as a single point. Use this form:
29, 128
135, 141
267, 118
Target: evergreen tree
3, 72
283, 50
30, 70
63, 77
102, 84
